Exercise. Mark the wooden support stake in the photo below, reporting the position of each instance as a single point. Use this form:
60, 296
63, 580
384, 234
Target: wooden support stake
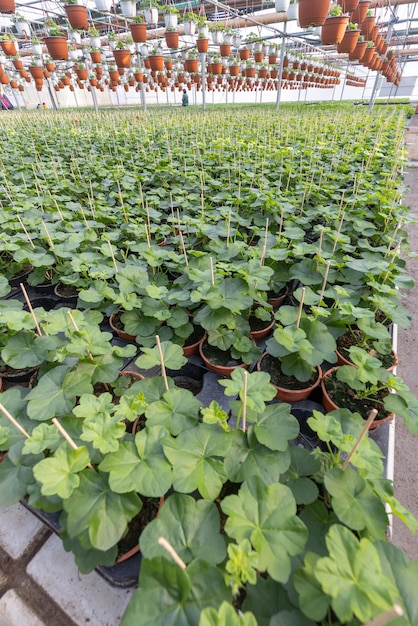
386, 617
32, 312
367, 424
167, 546
244, 402
163, 370
68, 438
51, 243
324, 284
115, 265
321, 236
302, 298
212, 273
14, 421
26, 232
266, 232
183, 247
122, 204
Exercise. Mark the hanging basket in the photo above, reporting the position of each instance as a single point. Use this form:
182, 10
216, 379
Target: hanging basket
367, 26
348, 5
313, 12
7, 6
138, 32
358, 51
122, 58
156, 62
360, 12
77, 16
333, 30
202, 45
37, 71
57, 47
172, 39
349, 41
9, 47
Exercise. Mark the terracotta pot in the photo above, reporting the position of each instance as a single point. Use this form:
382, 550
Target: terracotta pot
291, 395
7, 6
313, 12
96, 57
358, 51
333, 30
172, 39
342, 360
191, 65
348, 5
202, 45
127, 555
234, 70
138, 32
193, 348
367, 26
223, 370
368, 55
244, 54
18, 64
82, 74
122, 58
329, 404
349, 41
263, 332
37, 71
215, 68
258, 57
120, 333
360, 12
9, 48
77, 16
156, 62
57, 47
225, 49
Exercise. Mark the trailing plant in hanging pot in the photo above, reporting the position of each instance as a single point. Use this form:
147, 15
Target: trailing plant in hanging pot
313, 12
334, 27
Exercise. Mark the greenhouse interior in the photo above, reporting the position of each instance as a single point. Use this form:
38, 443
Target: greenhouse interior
208, 265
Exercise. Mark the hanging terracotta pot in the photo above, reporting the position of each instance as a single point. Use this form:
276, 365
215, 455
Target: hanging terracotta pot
156, 62
202, 45
138, 32
77, 16
348, 5
122, 58
9, 47
57, 47
349, 41
172, 39
313, 12
37, 71
225, 49
358, 51
18, 63
368, 55
367, 26
360, 12
244, 54
333, 30
96, 57
7, 6
191, 65
81, 74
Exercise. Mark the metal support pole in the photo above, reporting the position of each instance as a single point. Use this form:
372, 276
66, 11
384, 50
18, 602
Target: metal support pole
143, 97
54, 104
345, 80
94, 97
282, 53
376, 87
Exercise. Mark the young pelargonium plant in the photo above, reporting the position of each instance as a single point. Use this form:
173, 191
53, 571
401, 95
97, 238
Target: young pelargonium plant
300, 342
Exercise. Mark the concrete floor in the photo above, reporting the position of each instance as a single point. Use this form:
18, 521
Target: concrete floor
39, 582
406, 446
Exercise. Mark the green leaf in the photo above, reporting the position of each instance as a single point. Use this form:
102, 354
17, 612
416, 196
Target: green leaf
42, 437
94, 507
141, 465
225, 616
276, 426
266, 516
16, 474
26, 350
103, 431
197, 456
352, 576
172, 356
302, 465
59, 474
312, 600
168, 595
178, 411
259, 389
190, 526
214, 414
248, 457
355, 503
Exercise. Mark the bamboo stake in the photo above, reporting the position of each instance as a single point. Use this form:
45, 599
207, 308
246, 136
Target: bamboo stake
91, 200
324, 284
51, 243
57, 207
14, 421
266, 232
68, 438
394, 255
212, 273
202, 194
386, 617
321, 236
338, 231
148, 217
244, 402
163, 370
147, 235
369, 421
228, 231
302, 298
122, 203
26, 232
115, 265
183, 248
31, 311
74, 323
167, 546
